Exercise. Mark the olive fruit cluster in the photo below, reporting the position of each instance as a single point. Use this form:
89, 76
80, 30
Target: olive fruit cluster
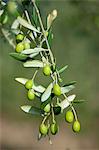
69, 116
21, 44
30, 93
44, 129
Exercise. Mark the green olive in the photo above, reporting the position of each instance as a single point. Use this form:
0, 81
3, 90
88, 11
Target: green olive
47, 108
69, 116
56, 90
29, 84
19, 38
19, 47
54, 128
4, 18
31, 94
47, 70
12, 7
43, 129
26, 45
76, 126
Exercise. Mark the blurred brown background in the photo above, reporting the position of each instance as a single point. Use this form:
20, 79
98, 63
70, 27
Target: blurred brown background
76, 43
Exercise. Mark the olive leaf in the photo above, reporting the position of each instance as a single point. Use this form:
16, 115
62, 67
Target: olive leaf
31, 36
33, 63
15, 24
47, 93
24, 23
1, 12
51, 17
35, 17
66, 89
18, 56
38, 94
38, 88
7, 36
78, 101
15, 31
50, 37
35, 50
32, 110
62, 69
21, 80
70, 83
33, 55
66, 102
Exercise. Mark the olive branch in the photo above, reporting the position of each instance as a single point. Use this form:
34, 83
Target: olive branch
53, 99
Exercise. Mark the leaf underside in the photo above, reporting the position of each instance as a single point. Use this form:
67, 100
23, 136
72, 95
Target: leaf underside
18, 56
47, 93
34, 63
32, 110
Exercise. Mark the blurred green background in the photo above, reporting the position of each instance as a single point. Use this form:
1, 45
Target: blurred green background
76, 43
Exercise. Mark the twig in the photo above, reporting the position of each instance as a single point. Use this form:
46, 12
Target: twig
43, 30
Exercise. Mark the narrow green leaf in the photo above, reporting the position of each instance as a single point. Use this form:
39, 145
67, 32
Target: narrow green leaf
66, 102
38, 94
78, 101
63, 69
70, 83
34, 63
33, 55
66, 89
32, 110
1, 12
18, 56
35, 18
35, 50
47, 93
15, 31
21, 80
15, 24
50, 37
24, 23
38, 88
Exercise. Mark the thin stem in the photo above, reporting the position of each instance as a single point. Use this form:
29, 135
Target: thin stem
43, 30
53, 116
75, 114
49, 139
34, 74
26, 13
44, 51
45, 118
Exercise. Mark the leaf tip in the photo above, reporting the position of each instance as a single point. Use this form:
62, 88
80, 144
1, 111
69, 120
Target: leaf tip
26, 108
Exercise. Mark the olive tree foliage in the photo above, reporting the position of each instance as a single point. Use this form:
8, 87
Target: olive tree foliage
32, 46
